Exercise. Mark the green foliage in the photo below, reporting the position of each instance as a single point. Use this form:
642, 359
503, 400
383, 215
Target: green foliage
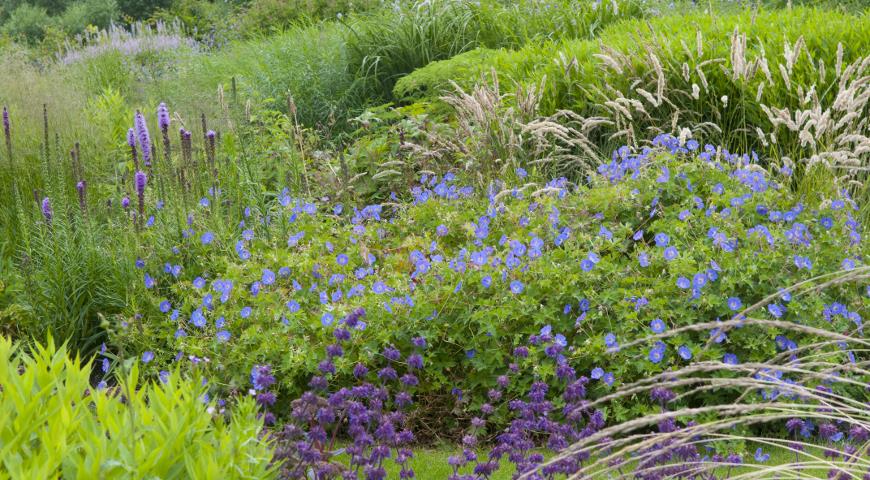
497, 319
142, 9
261, 17
97, 13
27, 21
57, 425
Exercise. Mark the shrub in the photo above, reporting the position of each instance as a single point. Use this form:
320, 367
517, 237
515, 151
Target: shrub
142, 9
56, 424
27, 21
262, 17
622, 247
80, 15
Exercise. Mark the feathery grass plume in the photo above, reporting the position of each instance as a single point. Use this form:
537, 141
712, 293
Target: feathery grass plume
131, 141
46, 210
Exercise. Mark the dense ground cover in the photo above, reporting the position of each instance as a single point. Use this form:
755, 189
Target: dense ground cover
551, 239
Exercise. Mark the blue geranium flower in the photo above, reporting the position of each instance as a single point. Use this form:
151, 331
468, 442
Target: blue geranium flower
658, 326
685, 352
735, 304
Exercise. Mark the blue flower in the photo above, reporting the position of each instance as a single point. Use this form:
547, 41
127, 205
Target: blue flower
268, 277
658, 326
656, 355
760, 456
611, 343
662, 239
342, 259
685, 352
223, 336
597, 373
730, 359
609, 378
776, 310
517, 287
245, 312
147, 356
643, 259
684, 282
379, 287
197, 318
735, 304
486, 281
165, 306
587, 265
327, 319
671, 253
207, 238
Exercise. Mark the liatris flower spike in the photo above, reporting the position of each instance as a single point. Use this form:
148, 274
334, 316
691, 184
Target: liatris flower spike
131, 141
46, 210
144, 138
141, 181
163, 117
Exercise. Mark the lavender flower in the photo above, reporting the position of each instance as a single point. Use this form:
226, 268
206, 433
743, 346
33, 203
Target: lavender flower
141, 180
163, 117
81, 187
131, 141
143, 137
46, 209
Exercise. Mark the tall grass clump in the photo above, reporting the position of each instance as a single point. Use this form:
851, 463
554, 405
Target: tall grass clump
780, 83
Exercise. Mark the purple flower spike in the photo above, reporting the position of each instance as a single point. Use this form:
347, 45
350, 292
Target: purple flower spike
46, 209
81, 187
144, 137
141, 181
163, 117
131, 138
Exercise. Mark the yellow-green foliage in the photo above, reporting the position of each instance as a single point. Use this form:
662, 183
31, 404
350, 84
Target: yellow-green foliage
54, 425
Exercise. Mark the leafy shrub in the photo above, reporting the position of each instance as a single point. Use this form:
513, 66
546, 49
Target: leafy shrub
531, 256
269, 16
56, 424
27, 21
80, 15
142, 9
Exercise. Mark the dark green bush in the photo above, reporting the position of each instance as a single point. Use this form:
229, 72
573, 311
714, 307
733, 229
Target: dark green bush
28, 22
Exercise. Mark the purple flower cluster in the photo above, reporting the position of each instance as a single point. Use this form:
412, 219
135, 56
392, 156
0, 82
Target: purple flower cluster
370, 414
